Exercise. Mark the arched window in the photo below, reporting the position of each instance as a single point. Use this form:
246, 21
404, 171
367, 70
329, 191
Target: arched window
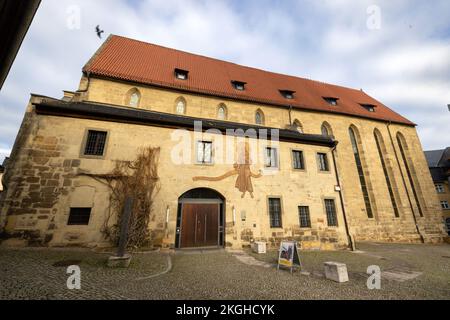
133, 98
222, 112
359, 167
326, 130
409, 168
382, 153
259, 117
180, 106
298, 126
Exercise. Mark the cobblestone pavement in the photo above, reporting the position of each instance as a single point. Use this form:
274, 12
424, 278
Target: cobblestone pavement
409, 272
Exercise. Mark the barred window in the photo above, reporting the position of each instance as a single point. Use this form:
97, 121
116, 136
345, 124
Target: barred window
79, 216
95, 143
303, 214
204, 152
297, 158
275, 212
271, 158
323, 162
330, 209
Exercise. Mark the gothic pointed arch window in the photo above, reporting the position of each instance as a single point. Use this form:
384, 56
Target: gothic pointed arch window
222, 112
387, 170
298, 126
180, 106
326, 130
359, 167
259, 117
133, 98
410, 170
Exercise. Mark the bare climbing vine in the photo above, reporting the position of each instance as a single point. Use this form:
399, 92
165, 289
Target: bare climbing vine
138, 179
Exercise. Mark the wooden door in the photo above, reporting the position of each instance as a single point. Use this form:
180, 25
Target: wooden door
200, 225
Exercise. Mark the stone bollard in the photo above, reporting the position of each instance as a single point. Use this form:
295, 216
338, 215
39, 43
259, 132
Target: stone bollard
336, 271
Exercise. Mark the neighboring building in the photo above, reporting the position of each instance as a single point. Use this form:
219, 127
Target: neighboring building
15, 19
439, 163
345, 163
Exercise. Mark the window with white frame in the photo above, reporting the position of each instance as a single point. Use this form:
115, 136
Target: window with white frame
271, 158
204, 152
445, 205
439, 188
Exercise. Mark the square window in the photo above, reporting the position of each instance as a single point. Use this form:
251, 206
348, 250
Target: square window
445, 205
275, 212
323, 162
297, 159
271, 158
439, 188
303, 214
204, 152
181, 74
238, 85
331, 101
95, 143
79, 216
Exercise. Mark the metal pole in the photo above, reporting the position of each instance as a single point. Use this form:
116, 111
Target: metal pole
123, 238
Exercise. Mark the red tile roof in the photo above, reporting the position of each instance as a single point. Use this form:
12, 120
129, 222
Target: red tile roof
131, 60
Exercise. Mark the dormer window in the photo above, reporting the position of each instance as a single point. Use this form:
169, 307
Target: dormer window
368, 107
181, 74
288, 94
238, 85
331, 101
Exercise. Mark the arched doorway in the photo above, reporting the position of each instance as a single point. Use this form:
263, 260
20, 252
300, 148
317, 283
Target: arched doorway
200, 219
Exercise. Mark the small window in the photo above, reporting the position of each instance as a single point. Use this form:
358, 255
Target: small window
303, 214
79, 216
439, 188
331, 101
298, 126
325, 131
447, 222
181, 74
288, 94
134, 100
330, 209
204, 152
238, 85
95, 143
369, 107
181, 107
222, 113
275, 212
297, 159
259, 118
445, 205
323, 162
271, 158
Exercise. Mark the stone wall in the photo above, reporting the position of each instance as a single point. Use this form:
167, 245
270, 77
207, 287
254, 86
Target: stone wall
46, 160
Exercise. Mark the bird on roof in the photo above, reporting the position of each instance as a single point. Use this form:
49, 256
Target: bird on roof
99, 32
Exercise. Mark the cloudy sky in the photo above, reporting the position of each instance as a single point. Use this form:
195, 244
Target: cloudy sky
397, 51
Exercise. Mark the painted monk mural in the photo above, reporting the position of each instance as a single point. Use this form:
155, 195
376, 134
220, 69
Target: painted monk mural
241, 169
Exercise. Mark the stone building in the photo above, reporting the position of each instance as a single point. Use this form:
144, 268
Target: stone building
439, 164
318, 163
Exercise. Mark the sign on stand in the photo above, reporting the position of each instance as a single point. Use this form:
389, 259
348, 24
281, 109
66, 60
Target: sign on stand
288, 256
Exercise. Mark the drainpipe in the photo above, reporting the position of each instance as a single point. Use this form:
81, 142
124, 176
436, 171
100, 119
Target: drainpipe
338, 181
422, 239
290, 115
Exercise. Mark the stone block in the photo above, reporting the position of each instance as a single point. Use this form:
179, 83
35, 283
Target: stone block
336, 271
119, 262
259, 247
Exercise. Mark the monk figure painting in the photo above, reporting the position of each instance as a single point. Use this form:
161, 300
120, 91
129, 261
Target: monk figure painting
241, 169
